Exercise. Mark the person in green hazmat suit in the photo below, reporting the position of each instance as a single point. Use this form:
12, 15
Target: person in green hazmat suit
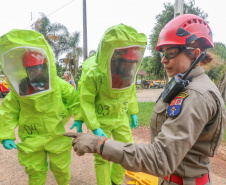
107, 93
39, 103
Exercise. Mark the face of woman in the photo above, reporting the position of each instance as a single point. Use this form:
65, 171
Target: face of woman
178, 64
65, 75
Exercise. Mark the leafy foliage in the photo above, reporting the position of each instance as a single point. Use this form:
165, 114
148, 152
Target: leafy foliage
55, 34
161, 19
150, 66
219, 50
146, 64
191, 9
216, 69
61, 42
60, 70
74, 52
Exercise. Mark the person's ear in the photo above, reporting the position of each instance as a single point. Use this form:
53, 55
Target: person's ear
197, 52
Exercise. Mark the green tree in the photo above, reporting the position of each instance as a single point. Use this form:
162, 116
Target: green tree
215, 70
55, 34
60, 41
218, 68
161, 20
149, 66
146, 64
219, 49
60, 70
74, 52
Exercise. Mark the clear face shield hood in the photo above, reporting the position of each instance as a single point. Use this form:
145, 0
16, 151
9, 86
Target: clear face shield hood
27, 70
124, 65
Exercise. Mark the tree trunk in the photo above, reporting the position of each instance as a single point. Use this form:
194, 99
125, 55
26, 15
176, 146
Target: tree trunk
66, 61
222, 87
70, 66
75, 62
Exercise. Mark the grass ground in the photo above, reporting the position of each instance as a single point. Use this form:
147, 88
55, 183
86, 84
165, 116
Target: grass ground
145, 112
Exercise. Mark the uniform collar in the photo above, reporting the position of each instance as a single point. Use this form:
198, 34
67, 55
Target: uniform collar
196, 72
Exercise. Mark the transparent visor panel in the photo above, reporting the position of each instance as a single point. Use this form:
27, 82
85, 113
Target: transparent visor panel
27, 70
124, 65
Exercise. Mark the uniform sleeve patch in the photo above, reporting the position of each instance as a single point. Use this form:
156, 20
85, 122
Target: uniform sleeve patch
176, 104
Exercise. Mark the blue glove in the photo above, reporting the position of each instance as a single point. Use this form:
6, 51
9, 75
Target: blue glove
9, 144
99, 132
77, 124
134, 121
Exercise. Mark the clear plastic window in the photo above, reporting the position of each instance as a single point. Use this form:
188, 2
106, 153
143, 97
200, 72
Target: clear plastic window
124, 65
27, 70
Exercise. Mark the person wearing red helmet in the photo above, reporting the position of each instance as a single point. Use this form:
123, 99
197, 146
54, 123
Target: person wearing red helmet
183, 35
108, 95
37, 73
39, 104
185, 131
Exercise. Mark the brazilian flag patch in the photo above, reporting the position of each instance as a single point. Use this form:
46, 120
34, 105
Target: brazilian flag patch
176, 104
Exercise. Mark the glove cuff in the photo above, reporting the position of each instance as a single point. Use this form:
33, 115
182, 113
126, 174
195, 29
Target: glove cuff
100, 144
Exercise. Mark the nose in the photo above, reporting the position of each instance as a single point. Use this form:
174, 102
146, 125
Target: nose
164, 60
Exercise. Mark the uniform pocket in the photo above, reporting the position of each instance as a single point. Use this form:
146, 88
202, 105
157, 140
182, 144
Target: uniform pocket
159, 115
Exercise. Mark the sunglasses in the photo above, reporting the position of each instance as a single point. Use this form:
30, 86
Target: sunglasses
174, 51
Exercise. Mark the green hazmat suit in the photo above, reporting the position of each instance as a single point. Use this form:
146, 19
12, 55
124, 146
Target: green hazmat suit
105, 105
40, 116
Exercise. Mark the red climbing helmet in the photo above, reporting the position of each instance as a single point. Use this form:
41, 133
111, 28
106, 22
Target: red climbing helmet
184, 30
32, 58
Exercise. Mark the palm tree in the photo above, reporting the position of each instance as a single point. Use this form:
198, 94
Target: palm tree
55, 34
74, 52
60, 41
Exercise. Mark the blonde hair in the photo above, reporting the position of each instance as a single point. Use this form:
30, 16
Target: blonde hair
70, 77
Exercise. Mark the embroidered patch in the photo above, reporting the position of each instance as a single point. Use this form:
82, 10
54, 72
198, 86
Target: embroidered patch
176, 104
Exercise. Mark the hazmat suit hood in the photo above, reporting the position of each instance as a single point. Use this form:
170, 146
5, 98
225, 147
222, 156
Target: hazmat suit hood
118, 39
24, 54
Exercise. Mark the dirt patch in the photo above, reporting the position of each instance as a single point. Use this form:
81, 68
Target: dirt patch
148, 95
82, 168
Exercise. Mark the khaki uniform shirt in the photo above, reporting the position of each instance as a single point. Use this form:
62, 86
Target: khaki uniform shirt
181, 144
